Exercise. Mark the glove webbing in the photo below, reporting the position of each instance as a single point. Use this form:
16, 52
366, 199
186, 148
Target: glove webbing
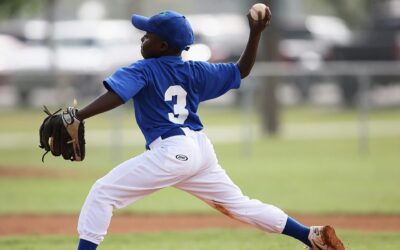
47, 111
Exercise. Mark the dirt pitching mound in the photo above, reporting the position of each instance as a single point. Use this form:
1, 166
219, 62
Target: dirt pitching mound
66, 224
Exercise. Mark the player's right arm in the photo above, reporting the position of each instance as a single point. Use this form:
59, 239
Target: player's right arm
248, 57
103, 103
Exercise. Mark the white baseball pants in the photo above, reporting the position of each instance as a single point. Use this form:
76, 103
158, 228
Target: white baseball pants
186, 162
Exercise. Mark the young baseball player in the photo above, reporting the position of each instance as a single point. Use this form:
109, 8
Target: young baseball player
166, 93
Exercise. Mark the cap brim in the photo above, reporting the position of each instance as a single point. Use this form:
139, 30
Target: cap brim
141, 23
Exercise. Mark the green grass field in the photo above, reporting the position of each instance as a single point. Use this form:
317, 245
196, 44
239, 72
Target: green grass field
278, 172
315, 167
201, 240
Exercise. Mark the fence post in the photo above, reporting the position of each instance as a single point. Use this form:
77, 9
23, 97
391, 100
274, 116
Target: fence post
364, 81
247, 105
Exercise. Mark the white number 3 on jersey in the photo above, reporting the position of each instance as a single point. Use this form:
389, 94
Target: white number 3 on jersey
180, 112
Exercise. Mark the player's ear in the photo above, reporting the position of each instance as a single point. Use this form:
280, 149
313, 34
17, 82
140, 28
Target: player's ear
164, 46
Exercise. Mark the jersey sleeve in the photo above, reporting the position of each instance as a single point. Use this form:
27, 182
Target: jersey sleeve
127, 81
215, 79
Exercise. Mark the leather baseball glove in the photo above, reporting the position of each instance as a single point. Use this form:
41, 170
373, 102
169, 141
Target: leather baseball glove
63, 134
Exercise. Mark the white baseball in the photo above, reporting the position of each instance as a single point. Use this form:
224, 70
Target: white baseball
258, 8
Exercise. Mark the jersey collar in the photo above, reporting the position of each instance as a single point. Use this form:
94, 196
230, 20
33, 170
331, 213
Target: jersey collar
171, 58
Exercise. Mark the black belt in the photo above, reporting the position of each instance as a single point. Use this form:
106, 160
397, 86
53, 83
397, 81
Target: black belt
169, 133
172, 132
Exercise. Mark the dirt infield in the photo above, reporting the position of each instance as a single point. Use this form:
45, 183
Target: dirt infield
66, 224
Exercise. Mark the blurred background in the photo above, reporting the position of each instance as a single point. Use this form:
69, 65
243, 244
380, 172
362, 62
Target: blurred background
322, 102
315, 52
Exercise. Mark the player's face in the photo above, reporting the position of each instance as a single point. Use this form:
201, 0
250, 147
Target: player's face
151, 46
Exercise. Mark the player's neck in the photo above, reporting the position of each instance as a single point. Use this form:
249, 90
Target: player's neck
172, 52
168, 52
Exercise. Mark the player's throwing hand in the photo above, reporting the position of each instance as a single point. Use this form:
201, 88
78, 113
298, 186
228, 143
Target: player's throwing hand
262, 20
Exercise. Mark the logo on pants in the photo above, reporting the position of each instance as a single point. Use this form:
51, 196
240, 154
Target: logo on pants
181, 157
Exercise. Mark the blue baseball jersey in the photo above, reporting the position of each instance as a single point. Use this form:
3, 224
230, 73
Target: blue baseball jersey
166, 91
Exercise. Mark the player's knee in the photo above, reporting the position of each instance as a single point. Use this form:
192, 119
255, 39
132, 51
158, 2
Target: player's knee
100, 193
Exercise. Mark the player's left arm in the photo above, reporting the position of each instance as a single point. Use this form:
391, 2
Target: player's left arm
248, 57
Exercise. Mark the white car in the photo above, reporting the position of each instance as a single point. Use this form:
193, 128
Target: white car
218, 37
78, 52
309, 41
90, 46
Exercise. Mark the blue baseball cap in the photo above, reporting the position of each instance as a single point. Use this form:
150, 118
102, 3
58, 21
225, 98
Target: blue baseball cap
170, 26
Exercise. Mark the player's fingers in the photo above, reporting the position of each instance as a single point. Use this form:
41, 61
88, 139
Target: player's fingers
268, 12
268, 15
249, 17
